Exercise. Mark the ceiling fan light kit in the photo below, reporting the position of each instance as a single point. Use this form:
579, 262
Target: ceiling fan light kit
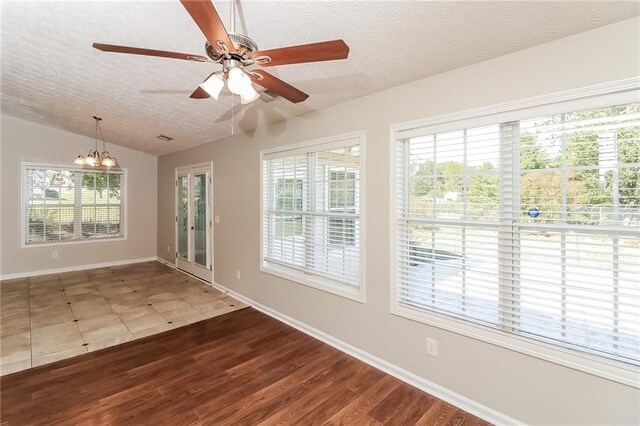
235, 52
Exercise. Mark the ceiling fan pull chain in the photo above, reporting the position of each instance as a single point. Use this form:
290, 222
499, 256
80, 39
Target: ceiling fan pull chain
232, 114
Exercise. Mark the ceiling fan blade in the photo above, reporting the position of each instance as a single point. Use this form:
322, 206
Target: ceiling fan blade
314, 52
199, 93
148, 52
278, 86
205, 16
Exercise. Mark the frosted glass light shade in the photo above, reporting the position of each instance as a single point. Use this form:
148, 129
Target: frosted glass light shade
213, 85
248, 95
107, 161
90, 160
237, 81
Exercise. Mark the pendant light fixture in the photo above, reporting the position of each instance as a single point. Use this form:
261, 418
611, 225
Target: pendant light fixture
95, 159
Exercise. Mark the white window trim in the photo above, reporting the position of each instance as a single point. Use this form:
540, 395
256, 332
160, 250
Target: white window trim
358, 293
23, 227
588, 97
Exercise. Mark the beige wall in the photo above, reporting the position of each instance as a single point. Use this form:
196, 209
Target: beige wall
520, 386
25, 141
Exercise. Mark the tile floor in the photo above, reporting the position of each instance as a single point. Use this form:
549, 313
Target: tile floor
52, 317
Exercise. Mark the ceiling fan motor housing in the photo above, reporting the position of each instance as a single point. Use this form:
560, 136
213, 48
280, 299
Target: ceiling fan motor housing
245, 46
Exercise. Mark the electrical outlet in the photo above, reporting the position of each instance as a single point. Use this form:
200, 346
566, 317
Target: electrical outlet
168, 249
432, 347
216, 219
54, 254
238, 274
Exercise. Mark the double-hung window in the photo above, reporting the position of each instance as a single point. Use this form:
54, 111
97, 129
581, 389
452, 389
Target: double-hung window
64, 204
311, 223
525, 224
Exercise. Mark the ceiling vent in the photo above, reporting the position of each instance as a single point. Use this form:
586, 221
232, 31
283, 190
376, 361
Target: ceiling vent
269, 96
165, 138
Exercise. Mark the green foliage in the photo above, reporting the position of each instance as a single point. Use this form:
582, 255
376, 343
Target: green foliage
484, 193
629, 153
422, 181
289, 194
342, 190
101, 182
591, 140
532, 155
449, 178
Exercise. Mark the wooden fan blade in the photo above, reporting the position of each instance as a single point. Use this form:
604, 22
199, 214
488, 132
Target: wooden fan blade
205, 16
148, 52
314, 52
278, 86
199, 93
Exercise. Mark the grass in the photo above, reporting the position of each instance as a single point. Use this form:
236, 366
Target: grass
288, 227
67, 195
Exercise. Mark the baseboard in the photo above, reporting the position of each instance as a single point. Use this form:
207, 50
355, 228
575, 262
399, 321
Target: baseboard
414, 380
166, 262
75, 268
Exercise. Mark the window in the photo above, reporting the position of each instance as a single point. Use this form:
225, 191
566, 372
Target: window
65, 204
311, 214
527, 226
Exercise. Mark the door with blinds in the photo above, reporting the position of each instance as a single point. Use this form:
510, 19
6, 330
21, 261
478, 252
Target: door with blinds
194, 229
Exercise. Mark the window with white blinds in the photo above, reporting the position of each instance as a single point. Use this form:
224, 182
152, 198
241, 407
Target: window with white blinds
66, 204
531, 227
311, 214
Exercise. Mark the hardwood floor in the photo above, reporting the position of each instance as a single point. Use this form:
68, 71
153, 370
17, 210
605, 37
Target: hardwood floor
240, 368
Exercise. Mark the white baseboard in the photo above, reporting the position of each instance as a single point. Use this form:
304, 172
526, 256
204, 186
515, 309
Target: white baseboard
75, 268
166, 262
414, 380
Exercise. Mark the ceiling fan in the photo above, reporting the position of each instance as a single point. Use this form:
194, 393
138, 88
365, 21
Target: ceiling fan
235, 52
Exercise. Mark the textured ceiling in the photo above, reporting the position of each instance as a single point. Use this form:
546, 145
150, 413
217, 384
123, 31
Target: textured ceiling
52, 75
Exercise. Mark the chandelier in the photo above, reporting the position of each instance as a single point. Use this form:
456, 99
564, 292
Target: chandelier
95, 158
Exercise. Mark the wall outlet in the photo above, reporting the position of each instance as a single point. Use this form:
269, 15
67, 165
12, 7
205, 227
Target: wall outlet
216, 219
238, 274
168, 249
54, 254
432, 347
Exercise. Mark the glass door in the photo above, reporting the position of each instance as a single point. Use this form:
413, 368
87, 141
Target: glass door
193, 221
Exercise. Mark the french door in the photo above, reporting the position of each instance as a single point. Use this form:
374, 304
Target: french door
193, 220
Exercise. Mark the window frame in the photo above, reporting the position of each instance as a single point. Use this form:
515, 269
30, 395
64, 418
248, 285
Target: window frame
71, 168
618, 92
356, 293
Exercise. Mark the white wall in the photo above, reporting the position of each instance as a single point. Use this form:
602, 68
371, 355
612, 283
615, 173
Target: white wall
25, 141
523, 387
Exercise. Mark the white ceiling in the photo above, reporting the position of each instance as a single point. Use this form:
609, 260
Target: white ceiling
52, 75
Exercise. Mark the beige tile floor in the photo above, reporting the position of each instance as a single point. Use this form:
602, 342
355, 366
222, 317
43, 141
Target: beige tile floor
51, 317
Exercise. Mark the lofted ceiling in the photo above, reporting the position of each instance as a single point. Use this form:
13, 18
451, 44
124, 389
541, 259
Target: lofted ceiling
51, 74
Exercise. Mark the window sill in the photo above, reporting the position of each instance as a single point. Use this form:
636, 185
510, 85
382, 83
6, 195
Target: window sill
69, 243
319, 283
609, 369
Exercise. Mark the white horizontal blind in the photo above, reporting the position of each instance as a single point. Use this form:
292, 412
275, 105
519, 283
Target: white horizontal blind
311, 216
531, 227
68, 204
